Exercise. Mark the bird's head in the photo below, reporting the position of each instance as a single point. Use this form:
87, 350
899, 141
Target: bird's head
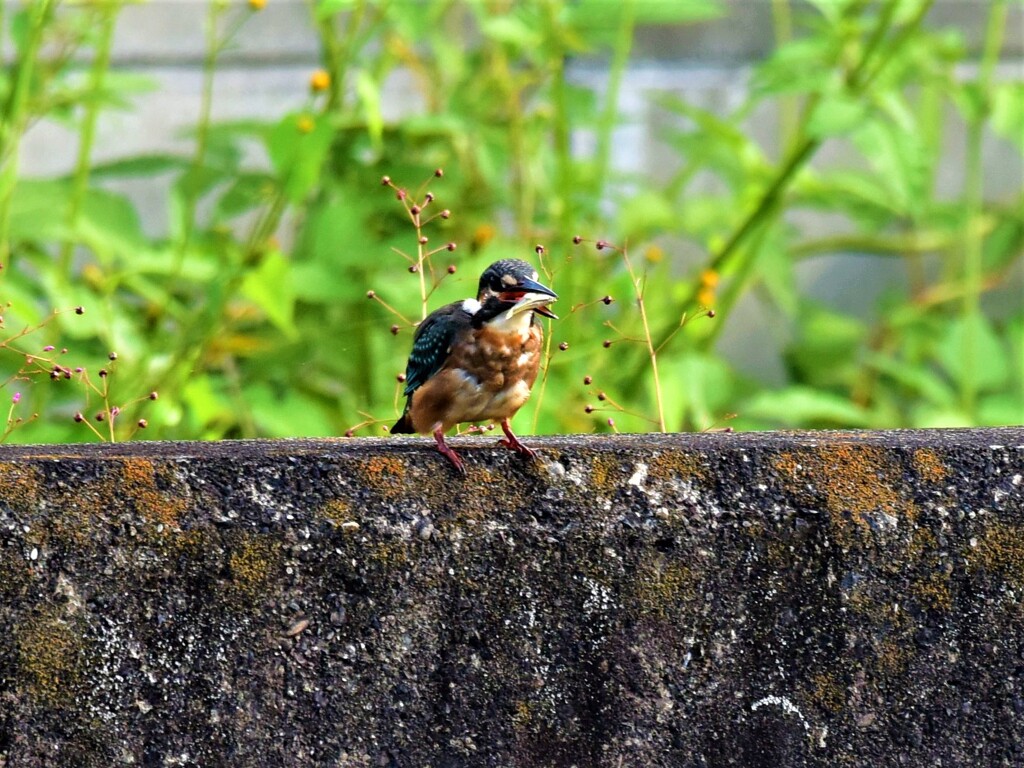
510, 286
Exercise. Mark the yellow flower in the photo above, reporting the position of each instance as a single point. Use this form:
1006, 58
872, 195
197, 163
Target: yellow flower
305, 124
482, 235
319, 81
709, 278
706, 297
257, 5
654, 254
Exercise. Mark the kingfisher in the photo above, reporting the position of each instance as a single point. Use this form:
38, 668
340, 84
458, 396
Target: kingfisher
476, 360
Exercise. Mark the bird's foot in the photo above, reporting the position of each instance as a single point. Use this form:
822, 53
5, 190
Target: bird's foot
512, 442
449, 454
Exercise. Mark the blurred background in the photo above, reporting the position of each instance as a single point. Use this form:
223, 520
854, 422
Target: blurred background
814, 209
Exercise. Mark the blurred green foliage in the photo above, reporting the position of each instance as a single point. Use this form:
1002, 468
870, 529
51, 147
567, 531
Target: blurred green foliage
251, 316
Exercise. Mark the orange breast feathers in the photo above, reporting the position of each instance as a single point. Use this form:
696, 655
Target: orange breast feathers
488, 377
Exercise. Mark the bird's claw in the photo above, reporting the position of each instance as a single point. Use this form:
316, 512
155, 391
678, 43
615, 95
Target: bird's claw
448, 453
514, 445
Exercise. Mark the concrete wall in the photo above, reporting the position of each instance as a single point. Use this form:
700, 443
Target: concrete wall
813, 599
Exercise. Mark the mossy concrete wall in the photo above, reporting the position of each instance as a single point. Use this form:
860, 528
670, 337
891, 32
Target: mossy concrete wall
813, 599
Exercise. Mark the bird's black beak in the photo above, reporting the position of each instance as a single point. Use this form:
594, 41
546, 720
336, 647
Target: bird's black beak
535, 296
532, 286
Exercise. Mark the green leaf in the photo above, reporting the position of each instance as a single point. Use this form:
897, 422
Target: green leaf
327, 8
825, 349
140, 165
337, 236
269, 286
832, 10
922, 381
900, 160
109, 224
38, 211
118, 87
247, 191
286, 412
802, 66
1002, 409
369, 97
971, 348
1008, 111
510, 29
775, 268
799, 406
644, 215
601, 20
320, 284
208, 408
297, 155
21, 26
926, 416
659, 12
836, 115
699, 384
1003, 246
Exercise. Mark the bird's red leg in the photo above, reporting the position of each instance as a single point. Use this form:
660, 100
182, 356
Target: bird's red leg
451, 455
512, 442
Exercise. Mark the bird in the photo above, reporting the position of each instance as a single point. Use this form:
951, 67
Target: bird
477, 359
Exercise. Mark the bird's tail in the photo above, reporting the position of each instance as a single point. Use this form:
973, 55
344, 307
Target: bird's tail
404, 425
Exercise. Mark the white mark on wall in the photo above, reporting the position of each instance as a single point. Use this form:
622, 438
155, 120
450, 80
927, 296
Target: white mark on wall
786, 705
639, 476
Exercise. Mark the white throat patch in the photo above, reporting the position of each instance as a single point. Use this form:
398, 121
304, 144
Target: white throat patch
507, 322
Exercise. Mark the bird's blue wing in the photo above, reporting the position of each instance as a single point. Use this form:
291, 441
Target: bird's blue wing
432, 344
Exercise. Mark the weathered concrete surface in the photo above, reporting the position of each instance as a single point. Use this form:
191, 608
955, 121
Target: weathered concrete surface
816, 599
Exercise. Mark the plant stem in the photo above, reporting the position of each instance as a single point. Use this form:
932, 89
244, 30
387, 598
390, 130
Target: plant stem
782, 23
191, 181
759, 215
80, 181
420, 265
13, 122
652, 349
805, 148
561, 133
974, 195
620, 58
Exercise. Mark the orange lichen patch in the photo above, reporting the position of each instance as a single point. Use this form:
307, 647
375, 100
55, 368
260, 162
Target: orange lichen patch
389, 554
139, 483
1000, 550
929, 466
521, 714
253, 561
384, 474
49, 660
856, 481
605, 472
338, 511
190, 544
676, 465
15, 577
20, 485
932, 591
828, 691
661, 586
893, 656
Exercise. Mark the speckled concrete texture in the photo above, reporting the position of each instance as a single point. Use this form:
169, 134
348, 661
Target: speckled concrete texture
806, 599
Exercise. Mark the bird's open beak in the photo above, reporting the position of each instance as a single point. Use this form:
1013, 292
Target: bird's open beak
529, 294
